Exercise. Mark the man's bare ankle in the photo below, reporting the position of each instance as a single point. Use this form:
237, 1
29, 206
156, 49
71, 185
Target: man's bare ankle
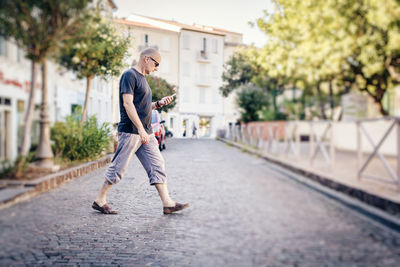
101, 203
169, 204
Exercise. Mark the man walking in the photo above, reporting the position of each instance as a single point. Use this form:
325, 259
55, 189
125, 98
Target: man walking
135, 134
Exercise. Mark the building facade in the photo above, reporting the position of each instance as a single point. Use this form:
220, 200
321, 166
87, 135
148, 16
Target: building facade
198, 59
65, 92
143, 34
192, 59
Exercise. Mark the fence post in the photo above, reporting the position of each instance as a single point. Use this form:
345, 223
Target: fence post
311, 140
297, 134
332, 146
398, 154
359, 150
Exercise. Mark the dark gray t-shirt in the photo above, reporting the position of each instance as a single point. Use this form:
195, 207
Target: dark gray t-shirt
134, 83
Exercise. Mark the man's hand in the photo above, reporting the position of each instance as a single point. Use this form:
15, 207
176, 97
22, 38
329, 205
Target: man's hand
144, 137
165, 100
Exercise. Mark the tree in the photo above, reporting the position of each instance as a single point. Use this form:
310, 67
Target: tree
251, 100
160, 88
97, 49
342, 43
16, 23
38, 27
238, 71
245, 69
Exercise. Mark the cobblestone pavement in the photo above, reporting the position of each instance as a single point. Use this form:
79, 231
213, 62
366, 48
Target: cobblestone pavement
242, 214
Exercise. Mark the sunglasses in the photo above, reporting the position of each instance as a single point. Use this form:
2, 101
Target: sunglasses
155, 62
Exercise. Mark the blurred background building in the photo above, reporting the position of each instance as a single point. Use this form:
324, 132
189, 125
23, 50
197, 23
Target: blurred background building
192, 59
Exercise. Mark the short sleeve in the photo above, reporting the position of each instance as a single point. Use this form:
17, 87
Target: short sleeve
128, 81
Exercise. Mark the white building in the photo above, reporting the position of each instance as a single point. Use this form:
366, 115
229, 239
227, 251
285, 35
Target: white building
64, 93
145, 33
201, 53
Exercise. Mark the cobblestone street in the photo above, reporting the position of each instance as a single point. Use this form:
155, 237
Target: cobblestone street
242, 213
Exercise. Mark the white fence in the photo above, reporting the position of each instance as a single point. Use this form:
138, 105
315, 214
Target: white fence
314, 140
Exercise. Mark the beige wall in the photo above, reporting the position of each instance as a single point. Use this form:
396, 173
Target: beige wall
166, 43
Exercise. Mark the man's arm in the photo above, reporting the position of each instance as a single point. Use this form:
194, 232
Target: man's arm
134, 117
163, 102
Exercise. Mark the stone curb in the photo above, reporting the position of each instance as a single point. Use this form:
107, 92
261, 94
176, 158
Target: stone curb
387, 205
29, 189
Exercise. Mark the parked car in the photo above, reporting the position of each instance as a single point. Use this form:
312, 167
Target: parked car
158, 128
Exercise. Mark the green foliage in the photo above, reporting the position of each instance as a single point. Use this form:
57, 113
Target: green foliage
96, 49
160, 88
347, 43
251, 101
9, 169
238, 71
74, 142
39, 26
272, 115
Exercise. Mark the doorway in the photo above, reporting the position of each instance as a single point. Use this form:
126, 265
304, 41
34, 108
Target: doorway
185, 124
5, 148
204, 127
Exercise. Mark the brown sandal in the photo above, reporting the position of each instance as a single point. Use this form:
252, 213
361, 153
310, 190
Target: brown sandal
177, 207
105, 209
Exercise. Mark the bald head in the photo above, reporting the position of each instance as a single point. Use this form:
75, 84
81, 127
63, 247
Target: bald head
149, 60
150, 52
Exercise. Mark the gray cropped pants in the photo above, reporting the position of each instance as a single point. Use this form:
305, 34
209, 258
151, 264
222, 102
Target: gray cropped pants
149, 155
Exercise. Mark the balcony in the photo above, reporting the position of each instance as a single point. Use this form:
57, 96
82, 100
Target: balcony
203, 56
203, 82
142, 47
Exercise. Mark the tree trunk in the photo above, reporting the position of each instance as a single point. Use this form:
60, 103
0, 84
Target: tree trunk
26, 134
382, 110
44, 154
378, 97
392, 70
85, 106
321, 103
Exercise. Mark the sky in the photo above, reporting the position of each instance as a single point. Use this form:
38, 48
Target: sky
232, 15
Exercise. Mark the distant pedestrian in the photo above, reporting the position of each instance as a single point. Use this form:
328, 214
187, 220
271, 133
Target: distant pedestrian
135, 134
194, 131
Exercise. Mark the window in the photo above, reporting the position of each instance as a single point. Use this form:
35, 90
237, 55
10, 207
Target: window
186, 95
165, 66
204, 47
215, 46
186, 41
165, 44
74, 107
171, 123
3, 46
146, 40
202, 72
186, 69
215, 71
202, 95
19, 55
5, 101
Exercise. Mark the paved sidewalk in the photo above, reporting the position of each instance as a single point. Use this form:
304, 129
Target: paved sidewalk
15, 191
342, 176
243, 213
